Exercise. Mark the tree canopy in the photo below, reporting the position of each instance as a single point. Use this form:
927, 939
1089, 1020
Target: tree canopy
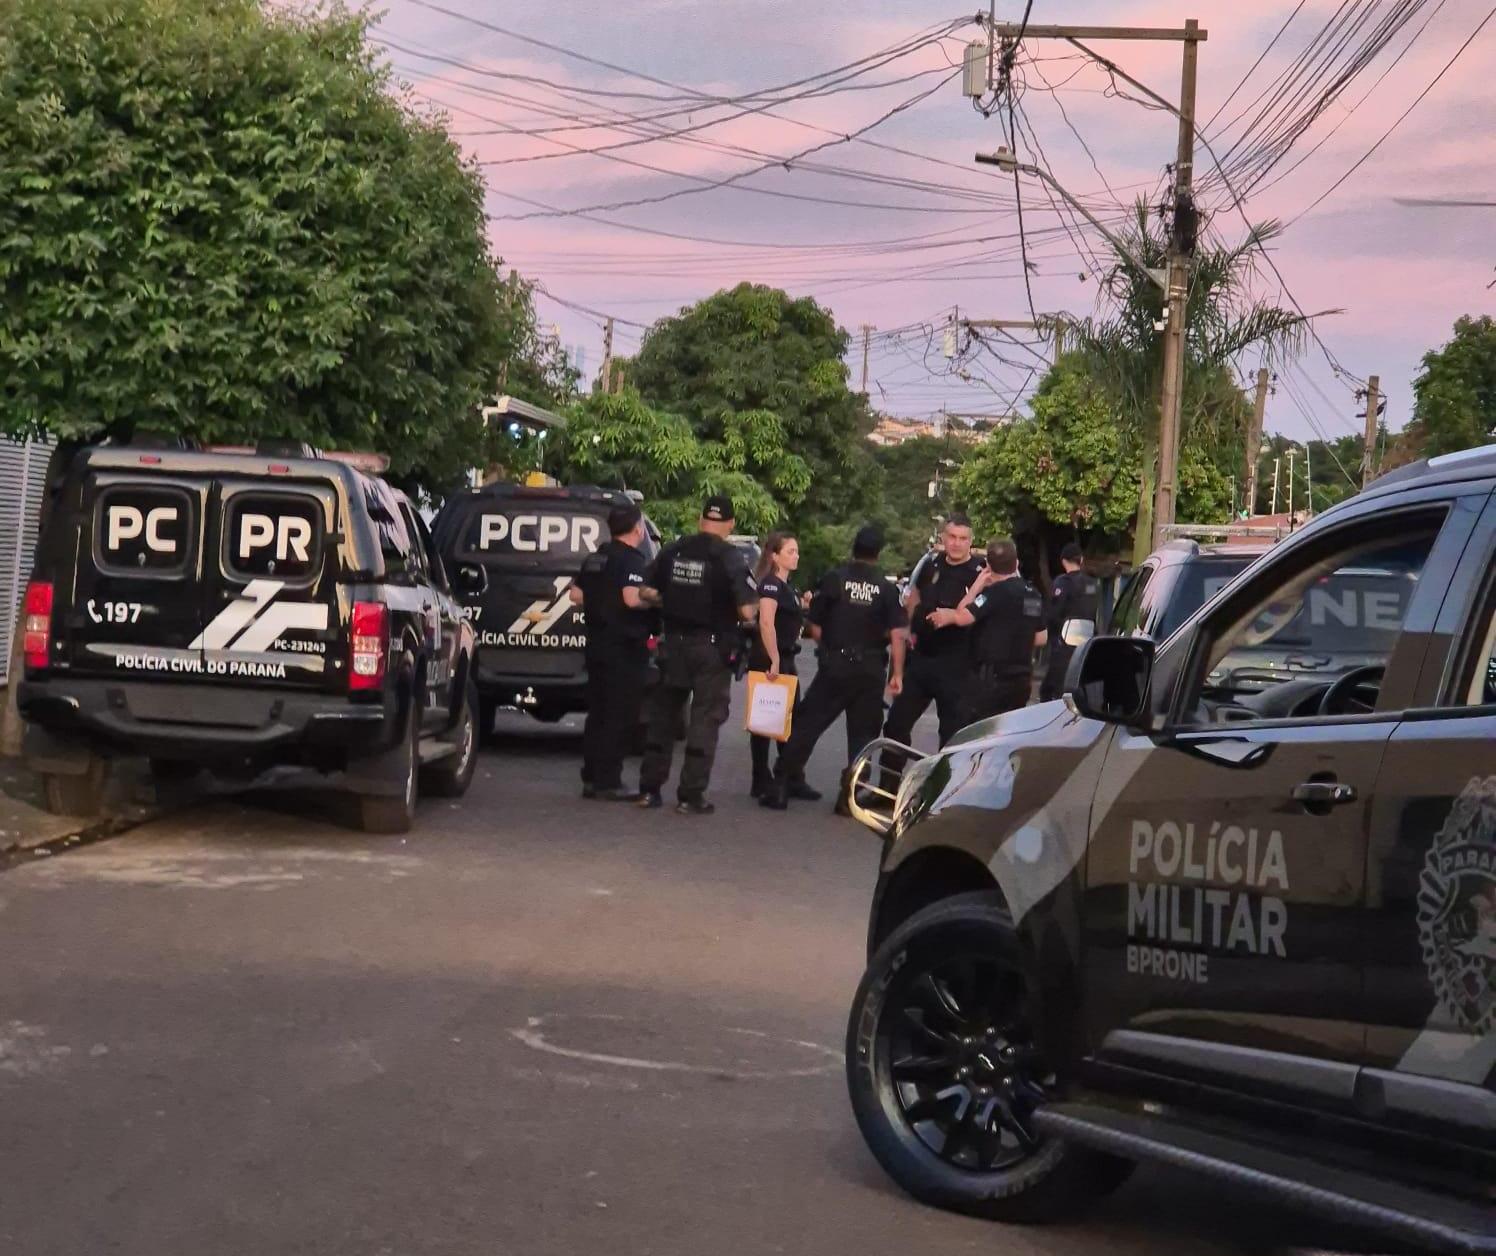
616, 440
217, 221
754, 349
1454, 396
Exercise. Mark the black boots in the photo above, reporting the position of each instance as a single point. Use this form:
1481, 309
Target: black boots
844, 795
763, 782
777, 796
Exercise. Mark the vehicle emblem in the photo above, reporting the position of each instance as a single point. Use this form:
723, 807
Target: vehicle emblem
1457, 909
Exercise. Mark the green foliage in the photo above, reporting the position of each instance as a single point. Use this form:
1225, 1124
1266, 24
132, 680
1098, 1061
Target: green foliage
1454, 398
216, 221
753, 350
617, 440
1072, 470
906, 510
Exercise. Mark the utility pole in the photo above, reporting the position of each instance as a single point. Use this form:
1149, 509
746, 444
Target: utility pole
1254, 439
867, 334
1308, 480
1181, 247
607, 374
1277, 466
1373, 399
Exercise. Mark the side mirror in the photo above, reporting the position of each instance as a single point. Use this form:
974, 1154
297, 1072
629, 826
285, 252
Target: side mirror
1076, 632
471, 580
1109, 678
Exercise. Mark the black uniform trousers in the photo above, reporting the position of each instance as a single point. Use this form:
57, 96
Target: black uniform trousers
758, 747
1060, 654
993, 694
944, 680
693, 669
844, 682
616, 672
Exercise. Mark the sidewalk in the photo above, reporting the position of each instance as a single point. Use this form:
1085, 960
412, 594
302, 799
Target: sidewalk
25, 823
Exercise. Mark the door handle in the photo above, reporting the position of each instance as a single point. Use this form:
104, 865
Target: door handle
1323, 793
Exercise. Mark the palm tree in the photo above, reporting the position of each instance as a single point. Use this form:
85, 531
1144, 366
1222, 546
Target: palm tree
1124, 348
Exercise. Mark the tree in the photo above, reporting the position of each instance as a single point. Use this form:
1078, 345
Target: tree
217, 221
755, 349
616, 440
906, 509
1070, 471
1454, 398
1125, 352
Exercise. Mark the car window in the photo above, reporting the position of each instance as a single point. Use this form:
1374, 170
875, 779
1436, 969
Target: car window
1477, 684
394, 538
1196, 583
1128, 611
533, 533
419, 565
1334, 610
434, 568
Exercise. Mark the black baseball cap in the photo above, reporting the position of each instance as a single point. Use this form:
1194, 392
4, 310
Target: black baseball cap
868, 542
623, 519
718, 508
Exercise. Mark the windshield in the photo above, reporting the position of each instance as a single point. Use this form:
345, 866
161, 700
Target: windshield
1196, 583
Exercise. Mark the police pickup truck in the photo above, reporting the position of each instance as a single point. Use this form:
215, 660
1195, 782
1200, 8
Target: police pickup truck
238, 611
514, 551
1245, 929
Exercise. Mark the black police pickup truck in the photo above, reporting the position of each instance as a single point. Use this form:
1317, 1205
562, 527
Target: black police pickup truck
1246, 929
514, 551
241, 610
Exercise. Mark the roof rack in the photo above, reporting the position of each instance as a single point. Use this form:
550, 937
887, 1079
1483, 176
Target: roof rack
1224, 531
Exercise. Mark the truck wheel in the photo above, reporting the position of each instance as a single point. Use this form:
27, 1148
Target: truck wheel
450, 777
77, 795
945, 1076
383, 813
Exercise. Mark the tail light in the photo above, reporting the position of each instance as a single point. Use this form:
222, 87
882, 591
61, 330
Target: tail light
369, 646
36, 624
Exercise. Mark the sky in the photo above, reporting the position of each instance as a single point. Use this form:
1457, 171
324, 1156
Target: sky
891, 225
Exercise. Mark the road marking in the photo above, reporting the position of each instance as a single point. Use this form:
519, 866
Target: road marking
532, 1035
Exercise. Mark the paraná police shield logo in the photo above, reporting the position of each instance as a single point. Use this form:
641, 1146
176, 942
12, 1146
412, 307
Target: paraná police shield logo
1457, 909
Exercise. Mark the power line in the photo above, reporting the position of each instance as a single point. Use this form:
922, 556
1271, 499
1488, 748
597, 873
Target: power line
1361, 161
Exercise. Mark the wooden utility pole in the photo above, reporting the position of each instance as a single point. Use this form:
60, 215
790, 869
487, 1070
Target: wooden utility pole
1166, 493
1254, 439
1373, 400
607, 373
867, 335
1292, 449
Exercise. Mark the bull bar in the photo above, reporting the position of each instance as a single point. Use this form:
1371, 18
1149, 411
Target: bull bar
871, 774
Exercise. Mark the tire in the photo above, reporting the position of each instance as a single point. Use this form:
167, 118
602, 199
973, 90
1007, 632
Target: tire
450, 777
383, 813
77, 795
951, 1140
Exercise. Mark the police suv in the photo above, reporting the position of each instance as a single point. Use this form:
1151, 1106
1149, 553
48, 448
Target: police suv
514, 551
1242, 925
241, 610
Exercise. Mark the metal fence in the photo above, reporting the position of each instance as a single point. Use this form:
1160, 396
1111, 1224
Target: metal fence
23, 482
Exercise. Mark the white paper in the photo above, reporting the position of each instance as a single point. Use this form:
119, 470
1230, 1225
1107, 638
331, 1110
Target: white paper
769, 711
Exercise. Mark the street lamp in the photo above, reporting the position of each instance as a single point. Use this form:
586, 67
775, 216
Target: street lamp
1004, 159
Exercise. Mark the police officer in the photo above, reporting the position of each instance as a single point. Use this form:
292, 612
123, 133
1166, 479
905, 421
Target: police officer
705, 592
613, 587
776, 644
940, 663
1006, 616
1074, 597
855, 618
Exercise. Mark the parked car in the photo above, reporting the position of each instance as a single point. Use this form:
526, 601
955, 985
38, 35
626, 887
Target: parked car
1243, 926
514, 552
237, 611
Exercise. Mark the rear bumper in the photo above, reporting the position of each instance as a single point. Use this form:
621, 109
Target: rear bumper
528, 690
203, 723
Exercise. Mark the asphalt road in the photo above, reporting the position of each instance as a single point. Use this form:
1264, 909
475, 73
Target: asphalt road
533, 1025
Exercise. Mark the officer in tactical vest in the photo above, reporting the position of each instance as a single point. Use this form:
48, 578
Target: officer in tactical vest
1006, 616
705, 592
1074, 597
856, 620
940, 662
613, 587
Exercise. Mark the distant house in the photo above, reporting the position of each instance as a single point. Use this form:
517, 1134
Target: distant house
23, 476
967, 428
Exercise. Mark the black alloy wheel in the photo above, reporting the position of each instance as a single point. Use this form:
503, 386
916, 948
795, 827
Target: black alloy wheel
964, 1069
